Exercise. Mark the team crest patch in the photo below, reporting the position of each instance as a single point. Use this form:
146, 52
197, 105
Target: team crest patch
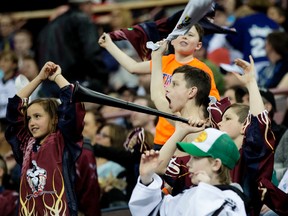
36, 178
202, 137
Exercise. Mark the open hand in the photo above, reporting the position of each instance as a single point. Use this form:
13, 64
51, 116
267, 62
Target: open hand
248, 68
148, 165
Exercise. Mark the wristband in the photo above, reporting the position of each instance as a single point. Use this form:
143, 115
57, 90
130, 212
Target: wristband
56, 77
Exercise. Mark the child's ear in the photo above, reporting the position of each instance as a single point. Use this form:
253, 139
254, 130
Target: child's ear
217, 163
242, 129
193, 91
199, 46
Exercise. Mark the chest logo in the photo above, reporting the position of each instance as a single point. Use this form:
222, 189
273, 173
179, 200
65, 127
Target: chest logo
36, 178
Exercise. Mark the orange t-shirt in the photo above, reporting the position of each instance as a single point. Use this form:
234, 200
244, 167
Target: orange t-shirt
163, 128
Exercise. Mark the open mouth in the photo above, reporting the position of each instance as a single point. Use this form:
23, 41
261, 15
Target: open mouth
168, 99
183, 43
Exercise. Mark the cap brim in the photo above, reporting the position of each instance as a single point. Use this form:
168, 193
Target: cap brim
191, 149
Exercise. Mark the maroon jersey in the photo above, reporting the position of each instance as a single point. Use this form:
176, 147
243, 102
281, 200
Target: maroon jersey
8, 202
257, 158
47, 184
177, 174
87, 185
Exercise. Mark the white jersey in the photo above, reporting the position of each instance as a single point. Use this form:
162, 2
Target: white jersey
201, 200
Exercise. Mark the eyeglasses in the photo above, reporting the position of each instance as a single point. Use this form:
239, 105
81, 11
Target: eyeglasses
103, 135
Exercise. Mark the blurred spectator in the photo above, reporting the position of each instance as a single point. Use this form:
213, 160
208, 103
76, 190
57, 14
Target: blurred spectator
93, 120
218, 76
87, 186
144, 84
111, 175
137, 119
229, 78
8, 65
138, 141
218, 49
237, 94
71, 40
270, 105
118, 19
8, 198
281, 156
278, 14
7, 29
13, 171
252, 31
30, 70
23, 44
277, 52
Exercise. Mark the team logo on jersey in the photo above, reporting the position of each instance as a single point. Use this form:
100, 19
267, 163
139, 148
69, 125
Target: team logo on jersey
36, 178
184, 23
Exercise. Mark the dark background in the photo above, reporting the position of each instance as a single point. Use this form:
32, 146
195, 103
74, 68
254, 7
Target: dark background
27, 5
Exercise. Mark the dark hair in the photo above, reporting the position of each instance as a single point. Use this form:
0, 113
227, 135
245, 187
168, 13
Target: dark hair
11, 54
279, 41
200, 31
198, 78
259, 5
117, 134
239, 92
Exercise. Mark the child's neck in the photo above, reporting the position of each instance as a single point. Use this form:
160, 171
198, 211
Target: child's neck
239, 141
191, 110
184, 59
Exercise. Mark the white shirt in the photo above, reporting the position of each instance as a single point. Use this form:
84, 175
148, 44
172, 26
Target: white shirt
201, 200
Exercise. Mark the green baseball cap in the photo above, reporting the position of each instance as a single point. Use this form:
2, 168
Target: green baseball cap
213, 143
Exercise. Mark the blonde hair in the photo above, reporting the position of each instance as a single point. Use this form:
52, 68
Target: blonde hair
223, 173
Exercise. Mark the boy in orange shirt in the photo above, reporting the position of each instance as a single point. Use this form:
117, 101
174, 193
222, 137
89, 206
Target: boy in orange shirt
185, 47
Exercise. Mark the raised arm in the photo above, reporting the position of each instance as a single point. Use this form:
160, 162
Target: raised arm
182, 130
157, 89
46, 70
58, 78
126, 61
249, 80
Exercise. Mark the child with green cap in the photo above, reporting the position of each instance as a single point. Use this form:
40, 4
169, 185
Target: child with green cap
213, 155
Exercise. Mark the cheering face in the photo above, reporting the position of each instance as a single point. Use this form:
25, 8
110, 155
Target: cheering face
187, 44
230, 124
39, 121
177, 93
